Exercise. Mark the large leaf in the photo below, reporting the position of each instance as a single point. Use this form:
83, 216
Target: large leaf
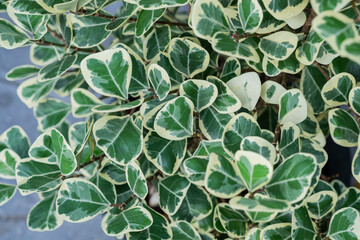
234, 222
175, 120
261, 146
255, 170
120, 144
188, 57
165, 154
344, 129
292, 107
80, 200
250, 15
44, 216
292, 179
108, 72
11, 36
172, 191
21, 72
200, 92
321, 203
157, 41
51, 112
33, 176
279, 45
222, 178
239, 127
350, 49
208, 17
324, 5
344, 224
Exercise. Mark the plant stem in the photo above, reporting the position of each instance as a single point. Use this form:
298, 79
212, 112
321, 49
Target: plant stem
123, 205
93, 159
326, 75
277, 134
357, 11
357, 117
45, 43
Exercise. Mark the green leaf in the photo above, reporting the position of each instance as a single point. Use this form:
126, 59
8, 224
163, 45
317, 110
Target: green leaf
349, 198
184, 231
308, 50
31, 7
172, 191
8, 160
271, 92
234, 222
195, 169
208, 17
261, 146
159, 80
146, 19
66, 83
231, 69
212, 123
89, 31
33, 176
354, 99
279, 45
107, 188
239, 127
80, 200
355, 166
32, 91
250, 15
227, 45
284, 10
277, 231
321, 203
51, 112
56, 69
290, 139
188, 57
61, 6
247, 88
269, 67
201, 93
6, 193
292, 107
113, 173
344, 224
255, 170
350, 49
127, 10
111, 108
44, 216
159, 230
157, 41
323, 5
205, 148
156, 4
163, 60
11, 36
344, 129
175, 120
21, 72
259, 205
302, 225
335, 92
311, 84
165, 154
253, 234
82, 102
292, 178
226, 101
136, 180
120, 144
108, 72
334, 28
222, 178
15, 139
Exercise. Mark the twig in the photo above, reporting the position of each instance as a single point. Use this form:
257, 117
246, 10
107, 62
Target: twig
94, 159
277, 135
123, 205
45, 43
357, 11
326, 75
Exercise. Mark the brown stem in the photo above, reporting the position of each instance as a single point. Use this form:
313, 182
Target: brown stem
123, 205
357, 117
94, 159
307, 25
45, 43
326, 75
277, 135
55, 35
357, 11
164, 22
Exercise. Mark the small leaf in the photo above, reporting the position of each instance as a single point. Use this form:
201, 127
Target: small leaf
175, 120
146, 4
172, 191
281, 10
276, 231
335, 92
56, 69
111, 108
292, 107
108, 72
344, 129
82, 102
259, 205
350, 49
184, 231
120, 144
11, 36
51, 112
271, 92
188, 57
195, 169
136, 180
157, 41
15, 139
165, 154
200, 92
234, 222
222, 178
146, 19
159, 80
355, 166
292, 178
8, 160
302, 225
354, 99
261, 146
6, 193
279, 45
113, 173
21, 72
344, 224
231, 69
323, 5
321, 203
250, 15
